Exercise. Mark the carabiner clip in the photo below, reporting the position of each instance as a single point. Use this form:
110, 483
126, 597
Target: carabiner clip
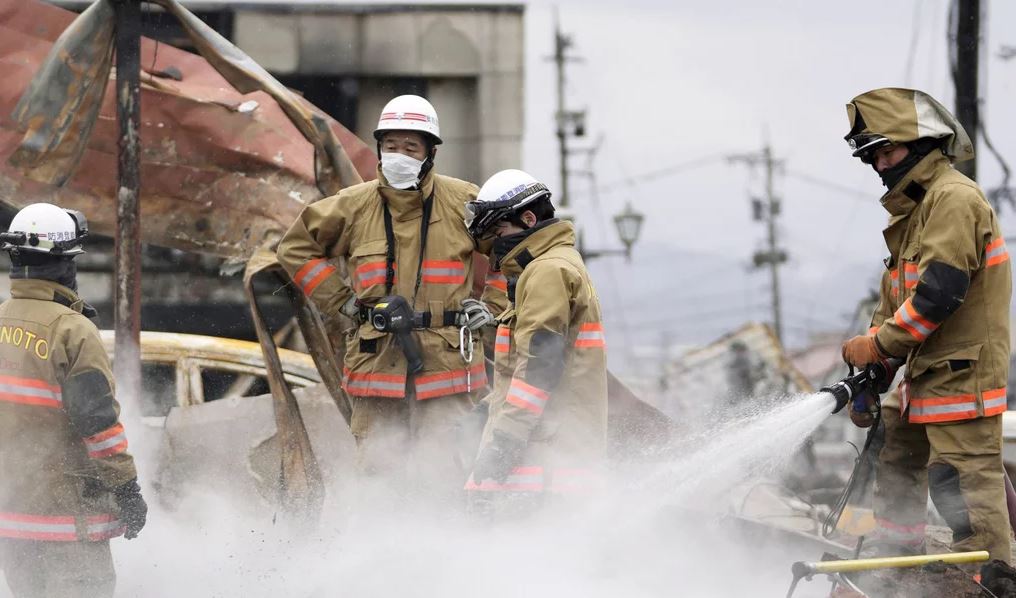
466, 351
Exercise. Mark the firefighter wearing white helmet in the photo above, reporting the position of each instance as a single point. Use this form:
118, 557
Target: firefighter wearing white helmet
69, 483
404, 246
546, 430
407, 137
944, 308
46, 228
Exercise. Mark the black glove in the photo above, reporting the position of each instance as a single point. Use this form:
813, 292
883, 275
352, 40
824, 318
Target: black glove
133, 509
497, 459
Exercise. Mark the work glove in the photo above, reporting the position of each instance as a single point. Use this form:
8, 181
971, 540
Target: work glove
133, 509
351, 308
497, 458
860, 410
477, 315
861, 351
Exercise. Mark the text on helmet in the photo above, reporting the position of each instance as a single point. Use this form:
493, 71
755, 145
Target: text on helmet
512, 192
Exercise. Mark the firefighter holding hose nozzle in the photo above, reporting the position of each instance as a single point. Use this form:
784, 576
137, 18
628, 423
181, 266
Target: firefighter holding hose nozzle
944, 310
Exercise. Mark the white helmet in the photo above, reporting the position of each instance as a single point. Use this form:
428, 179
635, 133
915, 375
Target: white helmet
504, 194
409, 113
46, 228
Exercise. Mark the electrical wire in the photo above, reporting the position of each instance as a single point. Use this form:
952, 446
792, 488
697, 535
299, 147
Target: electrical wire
829, 185
629, 181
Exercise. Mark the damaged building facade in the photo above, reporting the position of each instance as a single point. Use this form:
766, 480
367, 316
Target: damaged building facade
348, 60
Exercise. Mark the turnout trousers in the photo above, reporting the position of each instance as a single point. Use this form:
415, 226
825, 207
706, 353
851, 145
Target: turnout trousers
960, 464
36, 569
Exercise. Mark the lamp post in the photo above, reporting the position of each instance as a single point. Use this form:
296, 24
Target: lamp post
629, 226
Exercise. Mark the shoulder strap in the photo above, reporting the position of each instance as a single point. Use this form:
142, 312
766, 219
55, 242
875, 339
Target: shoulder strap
389, 250
428, 206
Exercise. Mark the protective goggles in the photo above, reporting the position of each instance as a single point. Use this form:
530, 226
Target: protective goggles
864, 146
481, 216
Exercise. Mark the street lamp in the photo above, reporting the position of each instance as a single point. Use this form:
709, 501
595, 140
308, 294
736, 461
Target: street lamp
629, 225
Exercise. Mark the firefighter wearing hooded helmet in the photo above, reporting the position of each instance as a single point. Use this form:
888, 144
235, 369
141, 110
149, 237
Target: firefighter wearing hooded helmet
69, 483
400, 235
546, 429
944, 306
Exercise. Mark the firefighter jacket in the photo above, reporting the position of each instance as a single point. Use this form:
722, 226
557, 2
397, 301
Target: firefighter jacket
351, 226
944, 301
62, 447
550, 364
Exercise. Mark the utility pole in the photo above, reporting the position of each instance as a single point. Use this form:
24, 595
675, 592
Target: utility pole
569, 122
765, 210
127, 242
965, 75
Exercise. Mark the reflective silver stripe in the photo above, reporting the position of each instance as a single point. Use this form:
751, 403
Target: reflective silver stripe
899, 533
503, 341
996, 251
104, 527
921, 329
994, 403
110, 442
309, 275
368, 384
38, 526
916, 408
526, 396
444, 272
458, 380
372, 272
590, 336
31, 391
524, 479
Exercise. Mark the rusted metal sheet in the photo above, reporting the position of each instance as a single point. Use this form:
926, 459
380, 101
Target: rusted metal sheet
223, 170
301, 488
324, 345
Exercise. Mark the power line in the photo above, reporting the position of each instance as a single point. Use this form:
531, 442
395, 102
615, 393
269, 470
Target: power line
829, 185
631, 181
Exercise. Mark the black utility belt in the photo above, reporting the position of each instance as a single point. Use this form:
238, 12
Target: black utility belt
422, 319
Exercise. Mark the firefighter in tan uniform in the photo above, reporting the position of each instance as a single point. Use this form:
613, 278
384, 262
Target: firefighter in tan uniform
402, 239
547, 424
944, 306
69, 484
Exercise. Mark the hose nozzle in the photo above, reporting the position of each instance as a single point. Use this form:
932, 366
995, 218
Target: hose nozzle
842, 392
877, 377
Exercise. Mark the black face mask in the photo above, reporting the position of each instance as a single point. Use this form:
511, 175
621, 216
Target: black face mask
61, 270
918, 150
503, 245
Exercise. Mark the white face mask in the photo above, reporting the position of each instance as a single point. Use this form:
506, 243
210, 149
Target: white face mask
402, 171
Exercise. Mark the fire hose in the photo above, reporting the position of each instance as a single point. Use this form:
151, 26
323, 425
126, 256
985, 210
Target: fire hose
868, 383
864, 386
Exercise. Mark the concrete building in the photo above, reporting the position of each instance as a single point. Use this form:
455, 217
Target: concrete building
349, 60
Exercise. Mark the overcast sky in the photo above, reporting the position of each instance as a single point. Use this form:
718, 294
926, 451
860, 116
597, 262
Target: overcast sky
669, 83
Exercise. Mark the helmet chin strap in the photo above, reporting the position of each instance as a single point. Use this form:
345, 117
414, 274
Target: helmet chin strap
428, 164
